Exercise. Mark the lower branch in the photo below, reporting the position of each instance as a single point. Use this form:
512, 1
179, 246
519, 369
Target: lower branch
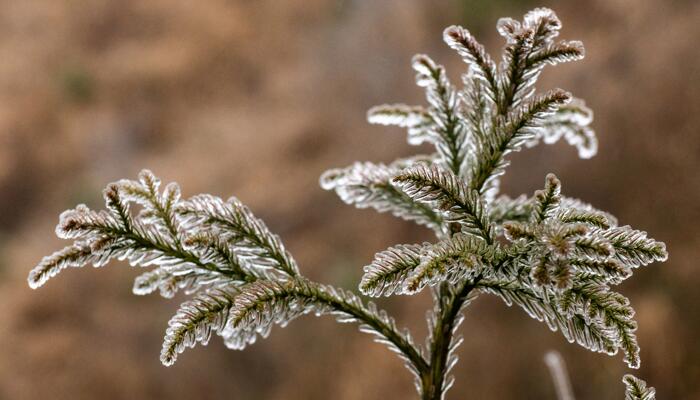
381, 327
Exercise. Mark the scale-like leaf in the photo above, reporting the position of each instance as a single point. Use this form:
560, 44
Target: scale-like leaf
636, 389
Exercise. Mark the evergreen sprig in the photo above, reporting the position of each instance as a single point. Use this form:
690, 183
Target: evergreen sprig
555, 257
636, 389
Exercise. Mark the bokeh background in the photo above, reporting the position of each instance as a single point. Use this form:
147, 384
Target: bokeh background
257, 98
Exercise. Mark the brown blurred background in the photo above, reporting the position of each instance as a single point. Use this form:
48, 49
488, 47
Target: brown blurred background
257, 98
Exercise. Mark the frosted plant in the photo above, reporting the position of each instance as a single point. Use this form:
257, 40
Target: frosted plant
637, 389
555, 257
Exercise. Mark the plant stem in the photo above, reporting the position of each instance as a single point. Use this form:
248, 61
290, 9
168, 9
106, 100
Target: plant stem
450, 306
381, 327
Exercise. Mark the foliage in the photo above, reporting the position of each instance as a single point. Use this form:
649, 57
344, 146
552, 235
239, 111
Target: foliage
555, 257
636, 389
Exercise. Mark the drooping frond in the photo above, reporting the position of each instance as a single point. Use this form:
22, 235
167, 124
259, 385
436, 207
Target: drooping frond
368, 185
572, 123
448, 193
195, 321
387, 273
575, 328
574, 253
636, 389
609, 310
265, 303
75, 255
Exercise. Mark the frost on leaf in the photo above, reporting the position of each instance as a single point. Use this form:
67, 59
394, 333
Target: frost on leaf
195, 321
72, 256
572, 123
234, 223
416, 119
636, 389
570, 255
153, 236
447, 194
387, 273
215, 250
473, 53
453, 260
368, 185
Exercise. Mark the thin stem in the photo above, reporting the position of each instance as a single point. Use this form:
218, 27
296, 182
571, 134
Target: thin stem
557, 368
381, 327
179, 252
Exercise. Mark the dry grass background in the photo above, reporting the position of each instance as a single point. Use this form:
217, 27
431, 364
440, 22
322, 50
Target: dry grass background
257, 98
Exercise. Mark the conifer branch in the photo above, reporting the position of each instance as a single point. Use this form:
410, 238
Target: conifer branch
553, 256
264, 303
636, 389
